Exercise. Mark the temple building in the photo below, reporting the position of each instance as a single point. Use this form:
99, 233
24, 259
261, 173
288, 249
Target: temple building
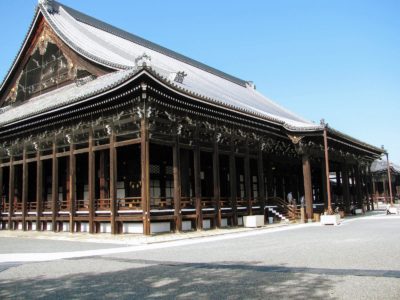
383, 183
104, 131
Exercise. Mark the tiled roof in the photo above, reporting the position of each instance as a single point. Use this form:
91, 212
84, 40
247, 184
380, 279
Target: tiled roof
63, 96
118, 49
380, 166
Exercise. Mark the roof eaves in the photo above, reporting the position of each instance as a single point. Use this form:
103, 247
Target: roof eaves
101, 90
213, 101
354, 140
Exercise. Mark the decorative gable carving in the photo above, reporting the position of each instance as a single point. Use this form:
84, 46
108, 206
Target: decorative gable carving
47, 65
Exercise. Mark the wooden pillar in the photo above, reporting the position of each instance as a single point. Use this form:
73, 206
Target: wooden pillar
372, 186
197, 181
328, 182
389, 179
54, 186
346, 190
261, 187
232, 181
11, 193
102, 177
1, 191
113, 183
72, 187
24, 188
177, 185
216, 184
324, 191
91, 182
359, 197
308, 196
39, 190
247, 175
145, 174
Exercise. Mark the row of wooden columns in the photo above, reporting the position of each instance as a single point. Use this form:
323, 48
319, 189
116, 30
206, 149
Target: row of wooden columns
145, 183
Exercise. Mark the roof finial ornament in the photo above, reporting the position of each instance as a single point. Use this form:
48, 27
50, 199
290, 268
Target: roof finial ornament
180, 76
47, 4
143, 61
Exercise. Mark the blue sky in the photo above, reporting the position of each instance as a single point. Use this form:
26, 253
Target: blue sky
338, 60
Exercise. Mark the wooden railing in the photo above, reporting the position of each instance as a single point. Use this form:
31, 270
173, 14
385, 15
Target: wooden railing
102, 204
18, 206
225, 202
162, 203
207, 202
63, 205
129, 203
31, 206
188, 202
82, 205
242, 202
47, 205
288, 210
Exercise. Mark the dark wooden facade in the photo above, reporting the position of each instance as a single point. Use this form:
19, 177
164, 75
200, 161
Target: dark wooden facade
147, 154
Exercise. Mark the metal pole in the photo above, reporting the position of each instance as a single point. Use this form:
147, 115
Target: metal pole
328, 186
389, 179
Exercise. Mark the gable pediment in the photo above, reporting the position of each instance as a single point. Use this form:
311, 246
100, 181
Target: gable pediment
47, 63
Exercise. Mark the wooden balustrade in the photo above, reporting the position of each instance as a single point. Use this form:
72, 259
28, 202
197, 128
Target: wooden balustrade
162, 203
47, 205
18, 206
207, 202
102, 204
31, 206
188, 202
129, 203
242, 202
63, 205
82, 204
225, 202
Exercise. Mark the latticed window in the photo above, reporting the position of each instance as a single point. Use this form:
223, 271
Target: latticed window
42, 72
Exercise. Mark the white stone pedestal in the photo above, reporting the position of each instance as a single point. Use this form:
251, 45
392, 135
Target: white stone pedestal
330, 219
253, 221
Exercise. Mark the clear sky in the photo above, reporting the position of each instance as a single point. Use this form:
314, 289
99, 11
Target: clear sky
338, 60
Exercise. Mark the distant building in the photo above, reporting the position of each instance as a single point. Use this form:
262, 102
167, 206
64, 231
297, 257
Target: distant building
380, 181
103, 131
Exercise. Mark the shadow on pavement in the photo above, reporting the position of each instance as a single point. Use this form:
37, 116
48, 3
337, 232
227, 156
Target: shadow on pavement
154, 279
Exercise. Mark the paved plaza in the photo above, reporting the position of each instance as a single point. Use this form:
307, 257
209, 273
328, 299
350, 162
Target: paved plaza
356, 260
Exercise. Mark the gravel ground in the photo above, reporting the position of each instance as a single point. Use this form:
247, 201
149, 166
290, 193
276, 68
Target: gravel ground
357, 260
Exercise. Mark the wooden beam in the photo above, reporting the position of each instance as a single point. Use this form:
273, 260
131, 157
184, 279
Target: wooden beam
113, 183
145, 174
127, 143
91, 182
307, 187
11, 193
177, 185
24, 188
39, 189
216, 184
197, 181
247, 175
54, 186
72, 187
